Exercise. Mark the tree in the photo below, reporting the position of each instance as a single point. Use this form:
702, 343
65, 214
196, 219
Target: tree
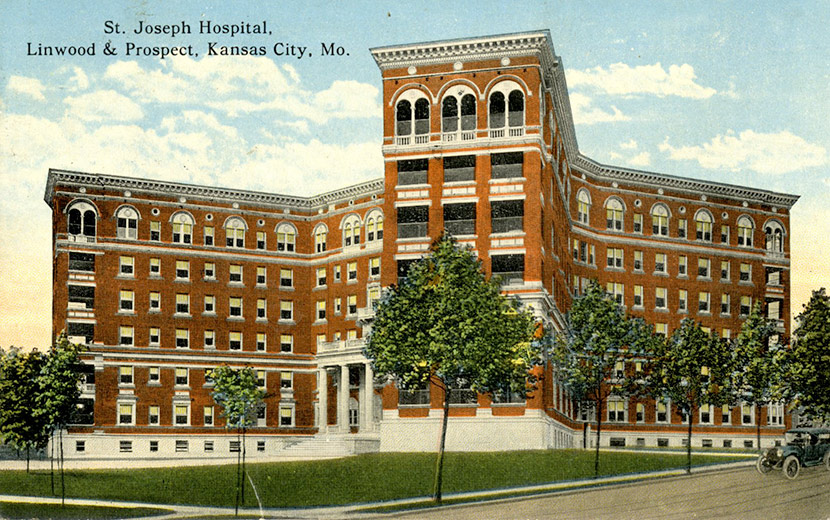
237, 391
19, 388
59, 390
691, 369
448, 326
758, 365
809, 359
588, 351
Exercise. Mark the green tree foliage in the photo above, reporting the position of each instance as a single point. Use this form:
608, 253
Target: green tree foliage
758, 364
809, 359
691, 369
596, 338
237, 391
20, 426
447, 325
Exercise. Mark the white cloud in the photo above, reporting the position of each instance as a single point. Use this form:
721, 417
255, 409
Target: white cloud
641, 159
631, 144
28, 86
622, 79
79, 80
586, 114
780, 152
103, 105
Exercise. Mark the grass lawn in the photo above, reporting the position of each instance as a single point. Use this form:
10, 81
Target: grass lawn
364, 478
15, 510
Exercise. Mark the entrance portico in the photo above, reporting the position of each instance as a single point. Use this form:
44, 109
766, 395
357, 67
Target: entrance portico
353, 378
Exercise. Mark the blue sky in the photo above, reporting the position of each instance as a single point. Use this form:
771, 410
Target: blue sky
727, 91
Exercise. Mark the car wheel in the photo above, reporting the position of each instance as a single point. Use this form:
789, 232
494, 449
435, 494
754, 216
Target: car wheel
827, 460
762, 466
791, 467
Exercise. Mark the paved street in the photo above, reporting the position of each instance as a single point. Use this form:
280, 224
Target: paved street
737, 494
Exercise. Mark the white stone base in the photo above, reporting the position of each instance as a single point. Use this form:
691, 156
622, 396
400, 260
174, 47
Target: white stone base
677, 439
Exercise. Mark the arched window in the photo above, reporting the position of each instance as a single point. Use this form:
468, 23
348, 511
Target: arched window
374, 226
703, 225
450, 115
497, 109
660, 220
126, 220
421, 117
320, 235
583, 201
516, 109
286, 237
183, 228
351, 230
507, 107
403, 118
614, 214
82, 222
235, 232
745, 230
774, 237
412, 117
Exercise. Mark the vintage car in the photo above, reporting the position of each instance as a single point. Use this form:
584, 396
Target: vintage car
804, 447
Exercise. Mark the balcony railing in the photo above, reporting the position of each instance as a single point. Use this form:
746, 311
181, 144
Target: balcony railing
342, 345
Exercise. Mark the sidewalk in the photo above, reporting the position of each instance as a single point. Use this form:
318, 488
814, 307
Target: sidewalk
360, 510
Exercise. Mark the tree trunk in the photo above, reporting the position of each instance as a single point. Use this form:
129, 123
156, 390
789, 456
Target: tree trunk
439, 465
689, 444
758, 423
63, 488
52, 463
242, 500
27, 458
238, 453
599, 431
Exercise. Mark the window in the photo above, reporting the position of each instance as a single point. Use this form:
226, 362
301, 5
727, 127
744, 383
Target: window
724, 234
773, 276
638, 223
507, 216
725, 414
321, 276
82, 221
746, 305
155, 334
126, 223
660, 220
286, 416
510, 268
616, 291
155, 267
707, 412
286, 342
703, 265
153, 375
208, 230
153, 415
286, 380
125, 336
126, 266
745, 230
261, 305
775, 414
638, 296
286, 310
182, 338
182, 228
82, 262
286, 238
703, 302
459, 168
583, 206
260, 378
155, 302
286, 277
412, 221
182, 304
724, 270
619, 369
125, 375
320, 236
460, 219
210, 304
660, 298
412, 172
210, 339
614, 214
235, 306
773, 309
660, 263
180, 417
614, 258
155, 231
235, 232
641, 412
703, 226
450, 116
337, 305
260, 239
724, 303
235, 341
125, 413
682, 300
352, 304
774, 237
182, 270
747, 413
406, 125
235, 273
638, 260
682, 265
337, 273
374, 227
351, 271
374, 296
661, 328
682, 228
374, 267
210, 271
181, 377
616, 411
321, 310
662, 412
746, 273
506, 91
80, 446
125, 301
260, 341
207, 417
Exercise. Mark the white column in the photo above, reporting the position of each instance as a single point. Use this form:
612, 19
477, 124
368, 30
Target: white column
343, 400
323, 400
367, 399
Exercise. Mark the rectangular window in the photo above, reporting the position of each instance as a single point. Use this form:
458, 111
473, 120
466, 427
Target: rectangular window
706, 413
507, 216
682, 228
261, 275
207, 416
413, 221
125, 446
286, 310
155, 231
153, 415
746, 305
352, 304
235, 273
210, 304
724, 303
155, 301
682, 300
208, 235
703, 265
125, 414
614, 257
616, 411
460, 219
351, 271
125, 375
182, 270
613, 218
724, 234
286, 380
682, 265
724, 270
725, 414
182, 232
747, 414
155, 267
616, 291
638, 260
181, 377
260, 309
660, 263
660, 298
126, 301
260, 378
337, 273
286, 342
286, 278
126, 336
182, 304
235, 307
286, 416
321, 310
180, 415
412, 172
260, 239
460, 168
182, 338
260, 445
337, 306
153, 374
321, 276
703, 300
506, 165
746, 272
638, 295
82, 262
374, 296
235, 341
210, 271
638, 223
661, 328
775, 414
260, 341
641, 412
210, 339
126, 266
662, 412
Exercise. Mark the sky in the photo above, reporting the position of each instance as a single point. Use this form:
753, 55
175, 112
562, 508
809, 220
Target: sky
733, 92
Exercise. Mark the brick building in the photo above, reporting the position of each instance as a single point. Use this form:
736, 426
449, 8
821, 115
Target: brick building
165, 280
